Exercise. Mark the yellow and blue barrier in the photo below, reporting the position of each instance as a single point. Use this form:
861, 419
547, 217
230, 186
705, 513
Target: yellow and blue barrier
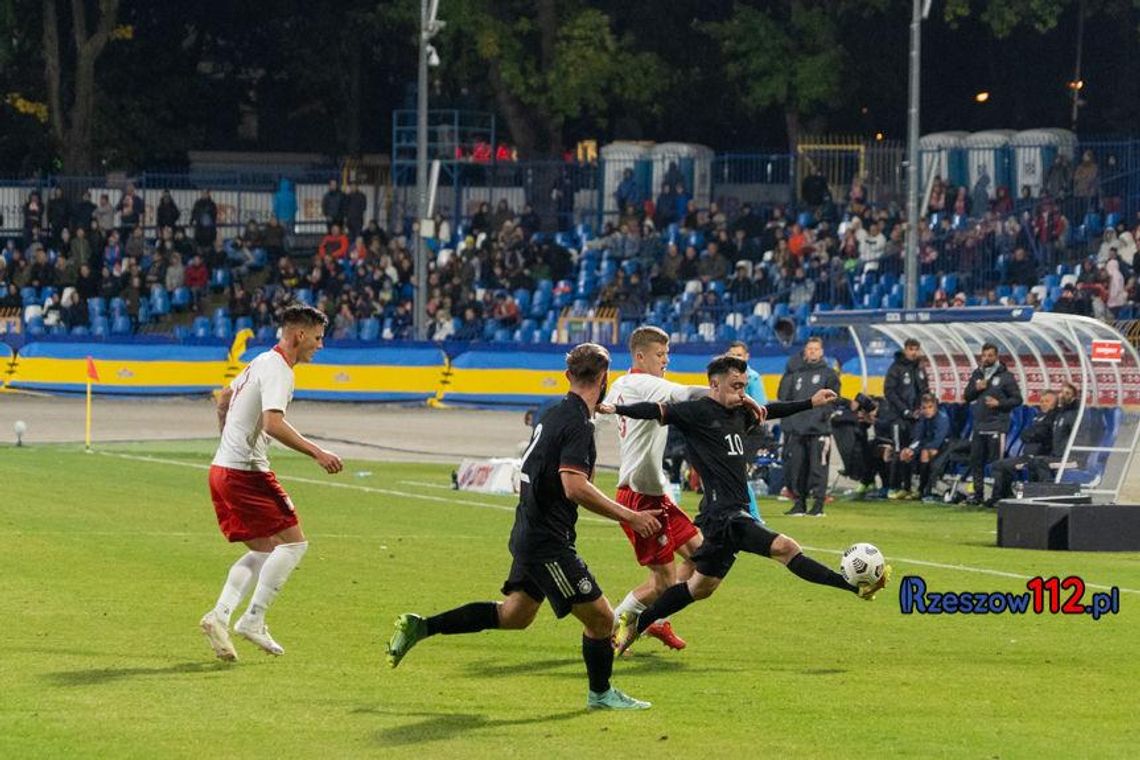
475, 374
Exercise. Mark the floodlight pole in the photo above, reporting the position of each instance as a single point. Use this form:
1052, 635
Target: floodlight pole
919, 11
419, 312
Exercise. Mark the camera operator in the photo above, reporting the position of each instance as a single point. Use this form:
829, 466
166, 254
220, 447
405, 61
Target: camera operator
851, 424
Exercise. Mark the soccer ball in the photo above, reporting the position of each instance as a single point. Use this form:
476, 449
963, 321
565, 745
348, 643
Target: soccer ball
861, 563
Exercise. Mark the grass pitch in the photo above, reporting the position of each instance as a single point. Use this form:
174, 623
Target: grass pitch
109, 560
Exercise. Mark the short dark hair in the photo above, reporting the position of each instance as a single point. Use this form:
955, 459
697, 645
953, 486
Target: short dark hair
912, 342
724, 364
586, 362
929, 398
647, 335
987, 346
304, 315
814, 339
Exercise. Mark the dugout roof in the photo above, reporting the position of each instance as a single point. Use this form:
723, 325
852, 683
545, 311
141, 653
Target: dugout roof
1043, 350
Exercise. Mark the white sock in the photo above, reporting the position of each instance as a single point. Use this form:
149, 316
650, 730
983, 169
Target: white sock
242, 577
629, 604
281, 562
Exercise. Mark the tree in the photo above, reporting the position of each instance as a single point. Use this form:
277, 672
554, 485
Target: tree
72, 123
545, 63
787, 55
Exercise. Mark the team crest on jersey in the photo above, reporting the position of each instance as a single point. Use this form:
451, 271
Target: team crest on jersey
995, 382
584, 586
799, 383
921, 375
815, 379
906, 379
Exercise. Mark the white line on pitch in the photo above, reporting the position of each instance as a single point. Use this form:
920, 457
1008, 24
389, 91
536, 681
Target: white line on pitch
442, 487
968, 569
425, 497
334, 484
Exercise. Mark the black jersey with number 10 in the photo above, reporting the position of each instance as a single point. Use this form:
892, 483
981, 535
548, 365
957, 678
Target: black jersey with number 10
714, 444
545, 518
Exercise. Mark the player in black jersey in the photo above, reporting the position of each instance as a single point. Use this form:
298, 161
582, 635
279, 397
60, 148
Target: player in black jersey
714, 428
557, 469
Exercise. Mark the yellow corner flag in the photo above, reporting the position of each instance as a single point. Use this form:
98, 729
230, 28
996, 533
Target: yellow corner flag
92, 377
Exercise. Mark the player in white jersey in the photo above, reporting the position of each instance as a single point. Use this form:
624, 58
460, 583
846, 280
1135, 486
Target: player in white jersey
250, 504
642, 483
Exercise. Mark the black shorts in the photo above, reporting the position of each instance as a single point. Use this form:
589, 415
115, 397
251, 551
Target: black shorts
564, 581
726, 536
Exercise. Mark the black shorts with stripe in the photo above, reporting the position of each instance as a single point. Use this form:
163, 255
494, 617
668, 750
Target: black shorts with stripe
564, 581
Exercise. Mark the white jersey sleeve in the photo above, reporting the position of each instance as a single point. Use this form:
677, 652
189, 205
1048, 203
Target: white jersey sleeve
642, 442
265, 384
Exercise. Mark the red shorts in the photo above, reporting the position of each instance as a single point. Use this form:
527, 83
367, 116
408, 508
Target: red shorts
250, 504
676, 527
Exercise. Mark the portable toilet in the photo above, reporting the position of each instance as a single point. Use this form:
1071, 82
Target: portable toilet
616, 158
942, 154
1034, 151
989, 152
693, 163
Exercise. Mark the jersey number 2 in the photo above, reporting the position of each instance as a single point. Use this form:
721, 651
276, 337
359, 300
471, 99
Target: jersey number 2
533, 443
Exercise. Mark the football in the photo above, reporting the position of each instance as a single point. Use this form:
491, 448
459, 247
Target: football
861, 563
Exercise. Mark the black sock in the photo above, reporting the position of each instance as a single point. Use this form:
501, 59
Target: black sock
924, 478
807, 568
599, 657
477, 616
673, 599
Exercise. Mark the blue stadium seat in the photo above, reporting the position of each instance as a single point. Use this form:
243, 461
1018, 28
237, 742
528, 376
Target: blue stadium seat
96, 307
159, 301
502, 335
304, 295
180, 299
118, 306
182, 332
121, 325
201, 329
144, 312
77, 331
223, 330
266, 333
370, 329
57, 329
46, 292
1112, 219
29, 296
243, 323
220, 278
221, 312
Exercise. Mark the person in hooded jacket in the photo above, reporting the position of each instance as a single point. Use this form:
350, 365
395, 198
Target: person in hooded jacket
807, 436
1043, 443
992, 394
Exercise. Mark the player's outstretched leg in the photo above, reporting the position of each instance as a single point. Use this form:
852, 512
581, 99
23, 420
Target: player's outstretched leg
785, 550
516, 612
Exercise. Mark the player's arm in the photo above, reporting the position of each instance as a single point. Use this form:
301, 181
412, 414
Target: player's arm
581, 491
274, 423
223, 406
779, 409
972, 389
645, 410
